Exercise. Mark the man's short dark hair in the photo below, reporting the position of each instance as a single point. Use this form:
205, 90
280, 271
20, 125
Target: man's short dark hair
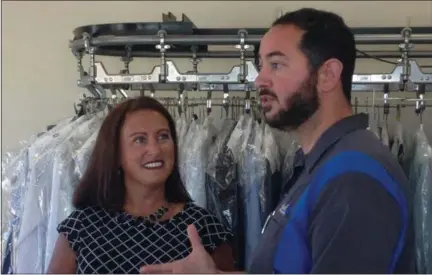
326, 36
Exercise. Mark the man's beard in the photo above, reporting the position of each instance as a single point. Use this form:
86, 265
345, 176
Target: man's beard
302, 105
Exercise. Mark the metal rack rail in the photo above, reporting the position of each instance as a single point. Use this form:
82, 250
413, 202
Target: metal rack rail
172, 39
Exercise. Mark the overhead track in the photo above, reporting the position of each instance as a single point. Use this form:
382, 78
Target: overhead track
171, 39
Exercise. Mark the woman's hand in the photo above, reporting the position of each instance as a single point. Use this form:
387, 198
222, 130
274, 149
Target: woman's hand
198, 261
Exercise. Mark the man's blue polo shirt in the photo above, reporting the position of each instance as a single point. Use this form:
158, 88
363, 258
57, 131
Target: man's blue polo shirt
345, 209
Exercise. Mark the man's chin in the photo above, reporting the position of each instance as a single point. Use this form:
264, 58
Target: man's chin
275, 121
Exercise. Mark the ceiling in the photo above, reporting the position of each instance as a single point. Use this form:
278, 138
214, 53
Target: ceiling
258, 13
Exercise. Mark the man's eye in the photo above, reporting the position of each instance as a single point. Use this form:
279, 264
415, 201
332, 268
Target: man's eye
275, 65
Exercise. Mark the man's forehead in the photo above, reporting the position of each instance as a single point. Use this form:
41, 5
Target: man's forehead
280, 38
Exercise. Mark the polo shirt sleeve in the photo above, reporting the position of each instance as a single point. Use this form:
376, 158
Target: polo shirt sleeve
355, 226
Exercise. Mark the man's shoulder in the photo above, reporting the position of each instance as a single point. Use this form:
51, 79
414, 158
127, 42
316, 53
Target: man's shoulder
363, 146
360, 160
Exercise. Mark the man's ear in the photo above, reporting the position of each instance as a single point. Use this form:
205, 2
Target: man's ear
329, 75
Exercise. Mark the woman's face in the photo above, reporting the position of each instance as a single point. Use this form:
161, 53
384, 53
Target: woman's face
146, 148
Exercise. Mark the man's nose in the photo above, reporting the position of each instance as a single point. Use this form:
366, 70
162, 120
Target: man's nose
262, 80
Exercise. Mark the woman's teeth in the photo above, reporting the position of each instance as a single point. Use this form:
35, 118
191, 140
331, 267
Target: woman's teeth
155, 164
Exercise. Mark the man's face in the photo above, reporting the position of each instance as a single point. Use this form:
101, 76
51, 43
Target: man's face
287, 89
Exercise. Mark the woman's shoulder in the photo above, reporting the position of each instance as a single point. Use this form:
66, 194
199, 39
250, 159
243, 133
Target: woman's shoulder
200, 216
213, 233
196, 211
90, 213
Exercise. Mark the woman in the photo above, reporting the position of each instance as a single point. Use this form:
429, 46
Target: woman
131, 207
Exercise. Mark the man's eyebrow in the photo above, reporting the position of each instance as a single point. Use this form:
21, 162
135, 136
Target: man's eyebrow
273, 54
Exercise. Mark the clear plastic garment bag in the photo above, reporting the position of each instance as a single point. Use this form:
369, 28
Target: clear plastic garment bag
195, 161
65, 179
15, 182
31, 233
185, 153
421, 177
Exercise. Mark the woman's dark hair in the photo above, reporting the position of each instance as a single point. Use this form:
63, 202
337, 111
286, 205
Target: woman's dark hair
102, 184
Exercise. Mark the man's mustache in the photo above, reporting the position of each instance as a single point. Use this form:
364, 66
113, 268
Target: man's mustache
268, 92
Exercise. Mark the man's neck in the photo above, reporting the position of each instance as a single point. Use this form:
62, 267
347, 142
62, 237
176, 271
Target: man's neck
310, 131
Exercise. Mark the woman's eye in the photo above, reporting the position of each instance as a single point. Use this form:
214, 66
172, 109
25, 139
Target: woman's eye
139, 139
164, 136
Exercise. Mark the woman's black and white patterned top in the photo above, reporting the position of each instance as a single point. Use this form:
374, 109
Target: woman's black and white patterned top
105, 242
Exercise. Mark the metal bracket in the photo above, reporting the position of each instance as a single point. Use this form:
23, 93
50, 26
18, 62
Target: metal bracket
173, 76
215, 81
162, 47
405, 48
417, 76
181, 100
96, 90
232, 77
127, 59
225, 101
104, 78
91, 51
209, 102
242, 47
195, 62
168, 17
393, 77
247, 99
386, 103
420, 104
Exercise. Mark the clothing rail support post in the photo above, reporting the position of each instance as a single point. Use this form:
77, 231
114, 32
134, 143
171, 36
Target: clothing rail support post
162, 47
405, 48
420, 105
242, 47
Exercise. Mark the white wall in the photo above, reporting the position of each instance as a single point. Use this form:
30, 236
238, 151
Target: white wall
39, 71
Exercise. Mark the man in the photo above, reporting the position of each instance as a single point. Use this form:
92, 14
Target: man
344, 210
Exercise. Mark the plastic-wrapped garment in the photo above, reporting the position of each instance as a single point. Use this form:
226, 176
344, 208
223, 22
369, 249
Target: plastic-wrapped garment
282, 139
14, 176
398, 143
14, 179
185, 150
421, 176
14, 171
178, 124
252, 177
31, 236
221, 176
7, 255
271, 187
375, 128
81, 156
288, 161
385, 136
13, 188
181, 128
65, 180
222, 184
196, 162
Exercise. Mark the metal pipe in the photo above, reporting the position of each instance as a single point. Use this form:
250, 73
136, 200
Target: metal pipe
243, 105
227, 40
248, 54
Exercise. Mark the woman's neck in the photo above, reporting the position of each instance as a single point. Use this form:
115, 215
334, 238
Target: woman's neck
142, 201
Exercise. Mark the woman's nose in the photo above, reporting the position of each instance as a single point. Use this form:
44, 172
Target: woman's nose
153, 147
